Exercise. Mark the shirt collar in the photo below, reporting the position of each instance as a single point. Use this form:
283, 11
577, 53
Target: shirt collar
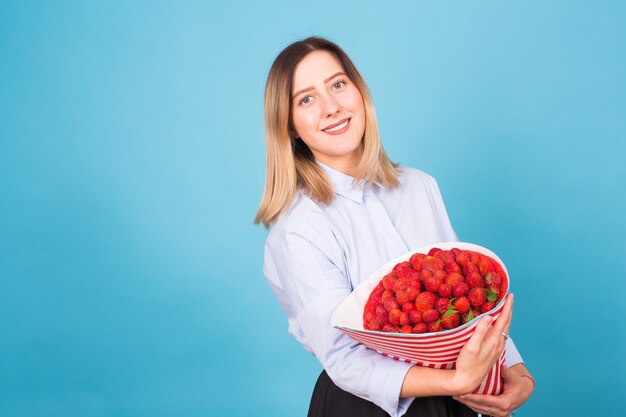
343, 184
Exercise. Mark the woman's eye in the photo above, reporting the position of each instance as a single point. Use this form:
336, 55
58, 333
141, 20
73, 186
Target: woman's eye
305, 100
339, 84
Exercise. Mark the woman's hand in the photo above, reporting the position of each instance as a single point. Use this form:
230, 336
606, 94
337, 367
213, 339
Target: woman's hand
517, 390
482, 350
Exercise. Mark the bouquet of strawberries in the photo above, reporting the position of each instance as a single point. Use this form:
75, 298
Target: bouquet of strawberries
423, 307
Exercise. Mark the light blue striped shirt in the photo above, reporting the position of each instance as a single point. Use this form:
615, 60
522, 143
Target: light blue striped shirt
315, 255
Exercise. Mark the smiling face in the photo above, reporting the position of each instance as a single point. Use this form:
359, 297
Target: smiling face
328, 113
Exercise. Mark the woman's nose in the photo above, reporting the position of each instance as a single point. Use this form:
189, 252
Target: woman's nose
330, 106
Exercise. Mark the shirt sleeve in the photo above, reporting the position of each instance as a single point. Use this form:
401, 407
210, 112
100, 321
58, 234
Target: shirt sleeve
310, 269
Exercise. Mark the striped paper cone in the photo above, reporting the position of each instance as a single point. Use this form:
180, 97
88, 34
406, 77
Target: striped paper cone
436, 350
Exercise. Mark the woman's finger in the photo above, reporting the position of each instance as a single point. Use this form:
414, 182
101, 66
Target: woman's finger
503, 323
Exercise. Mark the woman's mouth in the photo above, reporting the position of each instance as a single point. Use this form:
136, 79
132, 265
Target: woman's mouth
337, 128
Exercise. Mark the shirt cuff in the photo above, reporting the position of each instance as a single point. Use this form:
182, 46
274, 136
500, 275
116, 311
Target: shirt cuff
386, 384
512, 354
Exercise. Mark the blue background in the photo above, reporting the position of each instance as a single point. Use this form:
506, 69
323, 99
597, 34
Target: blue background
132, 164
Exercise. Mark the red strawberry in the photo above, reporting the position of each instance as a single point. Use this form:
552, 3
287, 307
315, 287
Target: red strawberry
433, 251
462, 305
431, 263
401, 265
477, 297
406, 329
485, 267
425, 301
411, 293
416, 261
394, 316
402, 284
474, 280
461, 258
494, 278
373, 324
460, 289
454, 278
382, 314
408, 307
390, 304
451, 319
430, 315
435, 326
390, 328
387, 295
403, 296
404, 318
389, 282
420, 328
452, 267
445, 290
425, 274
441, 305
432, 284
445, 255
469, 268
404, 271
488, 306
415, 316
439, 274
474, 257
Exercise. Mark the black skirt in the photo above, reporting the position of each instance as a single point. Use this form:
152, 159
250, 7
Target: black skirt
329, 400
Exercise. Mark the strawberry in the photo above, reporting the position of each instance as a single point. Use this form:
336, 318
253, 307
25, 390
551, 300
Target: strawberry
461, 258
460, 289
425, 301
401, 265
431, 263
493, 293
416, 261
406, 329
445, 290
420, 328
454, 278
425, 274
389, 282
433, 251
373, 324
474, 280
439, 274
412, 293
451, 319
469, 268
435, 326
404, 318
402, 284
404, 271
441, 305
488, 306
430, 315
415, 316
474, 257
462, 305
386, 296
477, 297
403, 296
445, 255
432, 284
408, 307
452, 267
390, 328
390, 304
394, 316
494, 278
484, 266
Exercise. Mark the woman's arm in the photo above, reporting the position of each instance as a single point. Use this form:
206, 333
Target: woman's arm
518, 386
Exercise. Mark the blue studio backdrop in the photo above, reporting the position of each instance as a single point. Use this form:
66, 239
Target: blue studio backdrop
132, 165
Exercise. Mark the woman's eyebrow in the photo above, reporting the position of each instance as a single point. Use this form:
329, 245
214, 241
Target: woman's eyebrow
294, 95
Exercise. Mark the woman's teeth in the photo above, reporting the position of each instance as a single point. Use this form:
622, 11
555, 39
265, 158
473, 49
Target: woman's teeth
338, 127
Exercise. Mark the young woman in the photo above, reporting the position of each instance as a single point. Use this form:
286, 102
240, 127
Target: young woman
337, 209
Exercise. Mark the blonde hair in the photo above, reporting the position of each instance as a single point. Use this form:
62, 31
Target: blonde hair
290, 164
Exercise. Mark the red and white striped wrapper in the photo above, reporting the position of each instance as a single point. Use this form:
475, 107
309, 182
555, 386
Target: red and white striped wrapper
436, 350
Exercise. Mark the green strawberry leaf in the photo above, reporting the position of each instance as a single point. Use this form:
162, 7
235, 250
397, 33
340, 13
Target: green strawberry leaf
450, 311
491, 295
469, 316
488, 278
